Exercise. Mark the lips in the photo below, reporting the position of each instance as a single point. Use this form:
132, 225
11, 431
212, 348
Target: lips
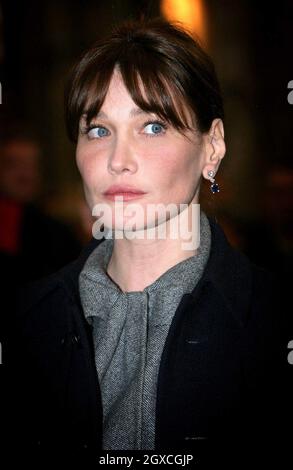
122, 190
125, 192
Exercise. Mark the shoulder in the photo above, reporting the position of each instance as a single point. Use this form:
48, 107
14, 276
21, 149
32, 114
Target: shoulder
231, 270
255, 296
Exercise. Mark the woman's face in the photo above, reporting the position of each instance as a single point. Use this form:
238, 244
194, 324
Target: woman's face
129, 147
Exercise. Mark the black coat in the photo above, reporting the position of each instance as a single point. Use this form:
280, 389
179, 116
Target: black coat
221, 381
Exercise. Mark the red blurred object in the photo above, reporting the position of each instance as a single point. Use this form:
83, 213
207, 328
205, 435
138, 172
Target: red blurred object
11, 219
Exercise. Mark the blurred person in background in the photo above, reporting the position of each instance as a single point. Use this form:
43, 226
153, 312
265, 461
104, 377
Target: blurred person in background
32, 244
141, 344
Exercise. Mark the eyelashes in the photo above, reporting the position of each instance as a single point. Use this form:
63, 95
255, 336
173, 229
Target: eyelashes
150, 128
86, 129
158, 124
102, 131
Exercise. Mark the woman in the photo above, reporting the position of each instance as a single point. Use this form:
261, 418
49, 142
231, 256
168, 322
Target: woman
146, 341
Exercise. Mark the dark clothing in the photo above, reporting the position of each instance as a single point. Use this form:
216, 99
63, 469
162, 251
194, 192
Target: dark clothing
221, 385
45, 245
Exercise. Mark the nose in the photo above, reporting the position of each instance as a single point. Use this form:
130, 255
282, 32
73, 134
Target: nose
122, 158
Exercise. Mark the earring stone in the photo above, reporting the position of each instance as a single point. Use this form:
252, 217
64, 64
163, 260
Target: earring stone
214, 186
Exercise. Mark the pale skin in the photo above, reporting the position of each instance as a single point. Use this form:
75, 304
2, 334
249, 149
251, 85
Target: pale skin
131, 147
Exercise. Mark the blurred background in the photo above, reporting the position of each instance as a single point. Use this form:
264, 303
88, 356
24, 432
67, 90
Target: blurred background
42, 203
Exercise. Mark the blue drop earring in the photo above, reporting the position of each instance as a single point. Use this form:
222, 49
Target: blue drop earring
214, 186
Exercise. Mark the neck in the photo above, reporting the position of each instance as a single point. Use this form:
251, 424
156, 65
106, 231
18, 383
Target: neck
136, 263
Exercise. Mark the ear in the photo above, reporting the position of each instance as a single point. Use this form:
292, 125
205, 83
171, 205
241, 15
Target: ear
215, 147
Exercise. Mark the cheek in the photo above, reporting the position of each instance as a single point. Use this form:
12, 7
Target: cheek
87, 165
178, 168
79, 158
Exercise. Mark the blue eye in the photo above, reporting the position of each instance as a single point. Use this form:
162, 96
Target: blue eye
97, 132
154, 128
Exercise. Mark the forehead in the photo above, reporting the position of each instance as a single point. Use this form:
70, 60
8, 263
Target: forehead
119, 101
117, 95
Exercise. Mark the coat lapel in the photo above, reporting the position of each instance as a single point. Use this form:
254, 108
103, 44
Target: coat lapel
199, 379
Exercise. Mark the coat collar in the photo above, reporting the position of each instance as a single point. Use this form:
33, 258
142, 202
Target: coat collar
227, 271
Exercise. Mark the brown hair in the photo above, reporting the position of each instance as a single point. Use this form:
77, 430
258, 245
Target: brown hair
162, 67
